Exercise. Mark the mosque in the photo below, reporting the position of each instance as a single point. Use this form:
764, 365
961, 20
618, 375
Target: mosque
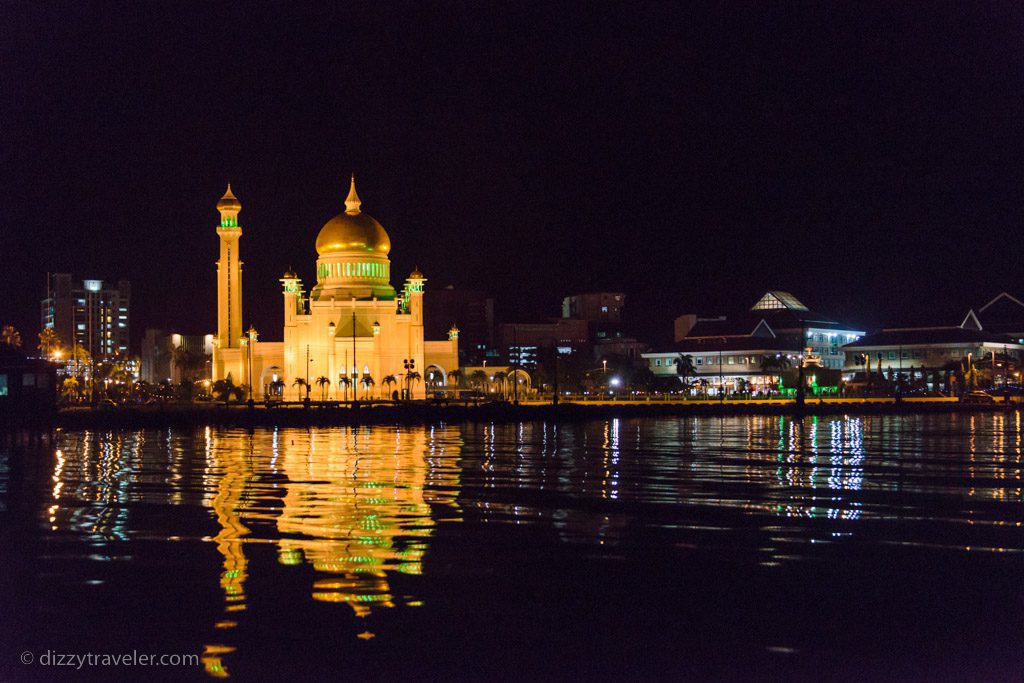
351, 336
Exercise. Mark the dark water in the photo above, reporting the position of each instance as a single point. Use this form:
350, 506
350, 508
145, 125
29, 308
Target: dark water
706, 548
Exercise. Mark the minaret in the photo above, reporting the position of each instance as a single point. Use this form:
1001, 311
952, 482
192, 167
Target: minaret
229, 274
414, 296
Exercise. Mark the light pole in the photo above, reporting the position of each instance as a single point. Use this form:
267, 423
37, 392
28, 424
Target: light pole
410, 366
308, 361
721, 378
251, 335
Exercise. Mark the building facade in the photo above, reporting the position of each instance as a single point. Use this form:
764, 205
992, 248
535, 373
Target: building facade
753, 350
348, 335
89, 314
173, 357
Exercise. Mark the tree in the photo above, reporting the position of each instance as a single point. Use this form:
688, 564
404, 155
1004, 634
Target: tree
301, 382
367, 386
455, 376
277, 387
225, 390
49, 342
10, 337
684, 369
323, 383
69, 389
344, 382
388, 382
478, 379
413, 377
498, 378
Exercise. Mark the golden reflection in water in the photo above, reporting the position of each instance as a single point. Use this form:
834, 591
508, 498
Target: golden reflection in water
355, 504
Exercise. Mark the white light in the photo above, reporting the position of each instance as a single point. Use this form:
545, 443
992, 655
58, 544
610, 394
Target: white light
615, 381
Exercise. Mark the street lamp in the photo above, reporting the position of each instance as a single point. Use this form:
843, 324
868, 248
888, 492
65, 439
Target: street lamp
410, 366
251, 337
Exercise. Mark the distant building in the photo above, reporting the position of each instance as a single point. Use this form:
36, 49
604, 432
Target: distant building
28, 386
594, 306
624, 347
731, 353
927, 353
88, 314
929, 348
161, 363
1004, 314
521, 341
786, 318
756, 346
472, 311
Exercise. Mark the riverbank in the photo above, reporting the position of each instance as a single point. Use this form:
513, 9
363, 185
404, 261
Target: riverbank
188, 415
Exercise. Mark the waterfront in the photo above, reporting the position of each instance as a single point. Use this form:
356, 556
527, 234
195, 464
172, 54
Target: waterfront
701, 547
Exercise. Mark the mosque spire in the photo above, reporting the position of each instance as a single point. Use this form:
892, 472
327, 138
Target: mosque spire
352, 202
229, 206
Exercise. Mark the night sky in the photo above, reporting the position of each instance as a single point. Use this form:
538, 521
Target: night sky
866, 158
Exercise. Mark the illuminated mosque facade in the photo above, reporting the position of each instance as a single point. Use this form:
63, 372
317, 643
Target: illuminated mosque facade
352, 328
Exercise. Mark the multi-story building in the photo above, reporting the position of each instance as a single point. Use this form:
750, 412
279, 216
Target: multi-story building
521, 341
170, 356
88, 314
991, 339
756, 346
606, 306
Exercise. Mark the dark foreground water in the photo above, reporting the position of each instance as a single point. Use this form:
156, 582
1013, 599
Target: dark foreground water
706, 548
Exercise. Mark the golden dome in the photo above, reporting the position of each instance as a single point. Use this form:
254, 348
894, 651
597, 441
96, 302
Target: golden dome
229, 202
353, 231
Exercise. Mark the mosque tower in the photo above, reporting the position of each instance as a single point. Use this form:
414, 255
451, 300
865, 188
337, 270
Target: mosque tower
229, 279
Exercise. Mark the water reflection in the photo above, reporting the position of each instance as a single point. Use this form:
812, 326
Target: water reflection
347, 515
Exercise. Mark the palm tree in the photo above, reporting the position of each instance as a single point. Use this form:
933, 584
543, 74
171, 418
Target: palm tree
499, 378
389, 381
684, 369
344, 382
323, 383
301, 382
49, 342
413, 377
11, 337
277, 386
69, 389
225, 390
478, 379
367, 385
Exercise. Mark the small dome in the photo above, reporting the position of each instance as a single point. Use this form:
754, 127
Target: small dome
229, 202
289, 275
416, 274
